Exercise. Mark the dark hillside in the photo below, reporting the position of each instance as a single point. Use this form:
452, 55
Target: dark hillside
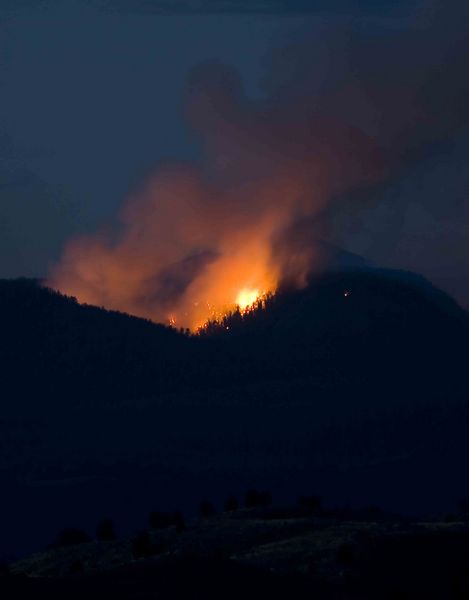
372, 331
54, 348
354, 388
361, 329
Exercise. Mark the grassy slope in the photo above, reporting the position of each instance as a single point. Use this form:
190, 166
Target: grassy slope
249, 552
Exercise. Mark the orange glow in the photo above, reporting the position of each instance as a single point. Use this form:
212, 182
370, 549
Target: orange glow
246, 298
193, 242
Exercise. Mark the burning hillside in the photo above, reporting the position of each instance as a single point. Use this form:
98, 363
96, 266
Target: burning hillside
193, 243
275, 173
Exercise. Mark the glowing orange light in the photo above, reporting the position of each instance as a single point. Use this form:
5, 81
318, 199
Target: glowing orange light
246, 298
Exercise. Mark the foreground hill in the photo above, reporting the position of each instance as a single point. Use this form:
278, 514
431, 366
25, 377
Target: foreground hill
354, 387
267, 553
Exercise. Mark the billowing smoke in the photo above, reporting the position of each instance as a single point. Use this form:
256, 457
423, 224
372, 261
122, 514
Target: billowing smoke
345, 108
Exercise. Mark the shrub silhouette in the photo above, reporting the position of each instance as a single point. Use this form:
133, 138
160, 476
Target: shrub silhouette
71, 536
105, 531
206, 509
265, 499
141, 545
310, 503
162, 520
450, 518
251, 499
178, 521
255, 498
373, 511
231, 504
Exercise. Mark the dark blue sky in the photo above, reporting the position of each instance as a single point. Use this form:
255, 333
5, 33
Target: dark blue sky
90, 98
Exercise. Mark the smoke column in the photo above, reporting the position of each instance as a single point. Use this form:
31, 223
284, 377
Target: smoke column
337, 118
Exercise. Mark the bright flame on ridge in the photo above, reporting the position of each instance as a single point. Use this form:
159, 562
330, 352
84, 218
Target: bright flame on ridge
246, 298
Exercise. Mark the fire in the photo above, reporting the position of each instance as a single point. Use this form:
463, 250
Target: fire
245, 301
195, 241
246, 298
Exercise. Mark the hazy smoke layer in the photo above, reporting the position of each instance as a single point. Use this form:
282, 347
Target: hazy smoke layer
345, 108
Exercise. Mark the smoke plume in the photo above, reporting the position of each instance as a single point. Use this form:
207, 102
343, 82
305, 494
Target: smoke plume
345, 108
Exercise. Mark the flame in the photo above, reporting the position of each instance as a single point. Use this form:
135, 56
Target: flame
193, 242
246, 298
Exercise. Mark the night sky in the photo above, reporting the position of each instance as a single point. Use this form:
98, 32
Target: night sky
91, 100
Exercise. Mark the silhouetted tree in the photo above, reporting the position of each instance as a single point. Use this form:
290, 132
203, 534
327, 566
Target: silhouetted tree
265, 499
141, 545
231, 504
450, 518
255, 498
105, 530
373, 511
310, 503
178, 521
71, 536
206, 509
251, 499
161, 520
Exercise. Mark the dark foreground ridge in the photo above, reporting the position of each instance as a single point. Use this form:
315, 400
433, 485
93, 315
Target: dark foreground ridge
259, 553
